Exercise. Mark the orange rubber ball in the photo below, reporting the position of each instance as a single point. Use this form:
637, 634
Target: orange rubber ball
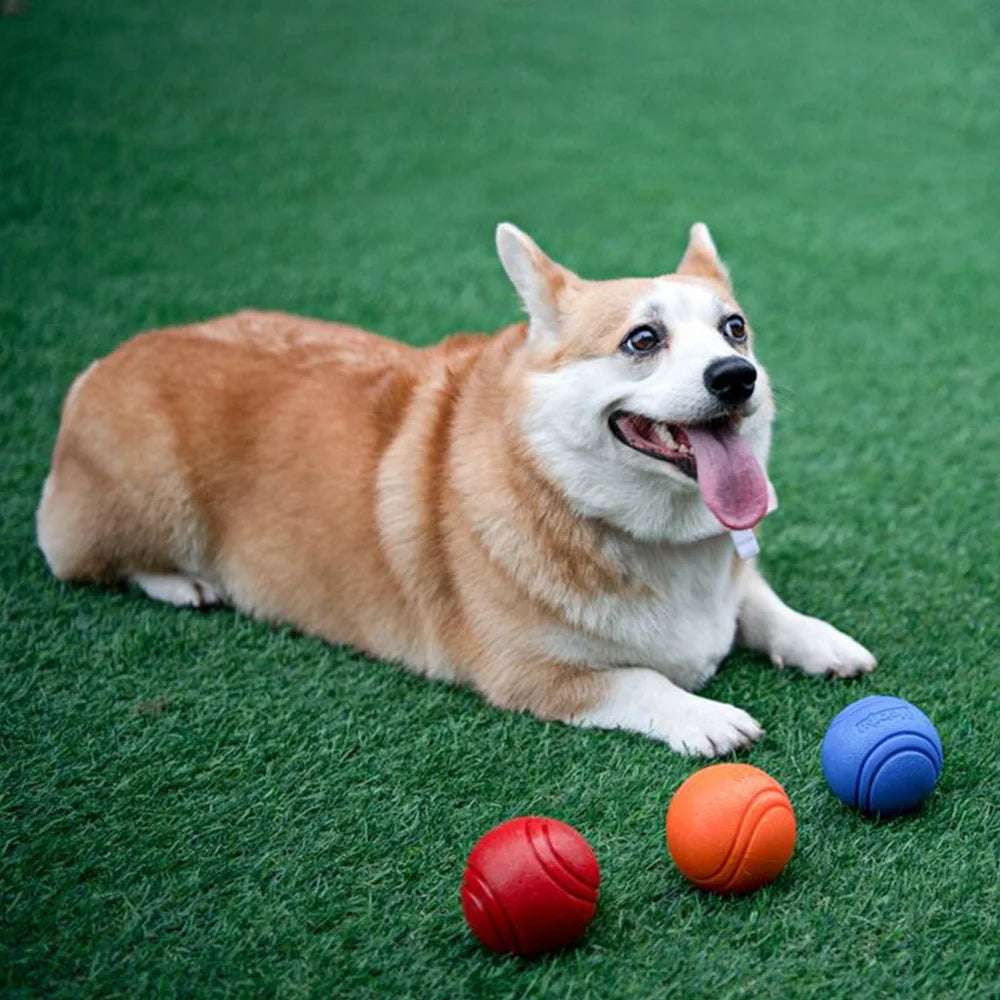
730, 828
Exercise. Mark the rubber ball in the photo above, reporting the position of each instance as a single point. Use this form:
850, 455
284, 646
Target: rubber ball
730, 828
882, 755
530, 886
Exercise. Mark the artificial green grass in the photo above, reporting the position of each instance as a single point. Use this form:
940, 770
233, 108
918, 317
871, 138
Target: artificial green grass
196, 805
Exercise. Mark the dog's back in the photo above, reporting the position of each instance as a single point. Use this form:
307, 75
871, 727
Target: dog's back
243, 453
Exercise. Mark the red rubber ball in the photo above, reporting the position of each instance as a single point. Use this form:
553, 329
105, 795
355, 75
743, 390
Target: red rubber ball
530, 886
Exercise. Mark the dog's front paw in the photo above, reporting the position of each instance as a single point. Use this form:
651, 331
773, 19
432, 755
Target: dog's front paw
643, 701
816, 647
711, 729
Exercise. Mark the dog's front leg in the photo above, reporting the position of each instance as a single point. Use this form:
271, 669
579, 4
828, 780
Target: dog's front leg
643, 701
790, 639
632, 698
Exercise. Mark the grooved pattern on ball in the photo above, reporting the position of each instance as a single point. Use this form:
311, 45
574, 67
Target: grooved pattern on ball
530, 885
742, 833
477, 895
883, 753
588, 873
730, 828
765, 853
756, 813
560, 871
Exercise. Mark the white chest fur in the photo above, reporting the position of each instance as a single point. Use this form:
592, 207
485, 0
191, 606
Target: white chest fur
681, 623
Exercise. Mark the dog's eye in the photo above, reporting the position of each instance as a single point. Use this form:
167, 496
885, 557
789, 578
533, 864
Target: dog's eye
642, 340
734, 327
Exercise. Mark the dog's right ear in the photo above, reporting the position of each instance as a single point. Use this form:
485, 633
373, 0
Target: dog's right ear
539, 280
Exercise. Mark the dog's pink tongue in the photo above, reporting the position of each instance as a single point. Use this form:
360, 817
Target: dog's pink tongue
732, 483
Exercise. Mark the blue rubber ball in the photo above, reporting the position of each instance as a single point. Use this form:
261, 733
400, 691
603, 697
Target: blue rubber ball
882, 755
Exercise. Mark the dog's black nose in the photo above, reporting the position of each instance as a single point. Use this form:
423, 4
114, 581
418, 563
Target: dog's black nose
731, 380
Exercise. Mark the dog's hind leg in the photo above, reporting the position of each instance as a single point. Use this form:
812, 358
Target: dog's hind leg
176, 589
116, 504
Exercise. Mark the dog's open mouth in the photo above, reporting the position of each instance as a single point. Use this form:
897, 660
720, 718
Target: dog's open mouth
715, 455
667, 442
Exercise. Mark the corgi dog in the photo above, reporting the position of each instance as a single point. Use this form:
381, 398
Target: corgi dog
543, 513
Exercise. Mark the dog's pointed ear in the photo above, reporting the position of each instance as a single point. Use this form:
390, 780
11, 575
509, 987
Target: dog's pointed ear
702, 260
539, 280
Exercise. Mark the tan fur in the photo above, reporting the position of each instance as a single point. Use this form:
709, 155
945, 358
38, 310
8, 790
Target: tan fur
386, 497
320, 475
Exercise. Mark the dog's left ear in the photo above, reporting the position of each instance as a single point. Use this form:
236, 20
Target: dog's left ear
702, 260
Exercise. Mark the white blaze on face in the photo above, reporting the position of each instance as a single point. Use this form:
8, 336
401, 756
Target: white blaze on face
568, 417
672, 387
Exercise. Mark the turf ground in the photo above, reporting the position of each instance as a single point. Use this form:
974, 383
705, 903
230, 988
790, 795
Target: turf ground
196, 805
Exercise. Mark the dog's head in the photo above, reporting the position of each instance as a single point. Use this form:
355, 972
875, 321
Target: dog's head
644, 398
